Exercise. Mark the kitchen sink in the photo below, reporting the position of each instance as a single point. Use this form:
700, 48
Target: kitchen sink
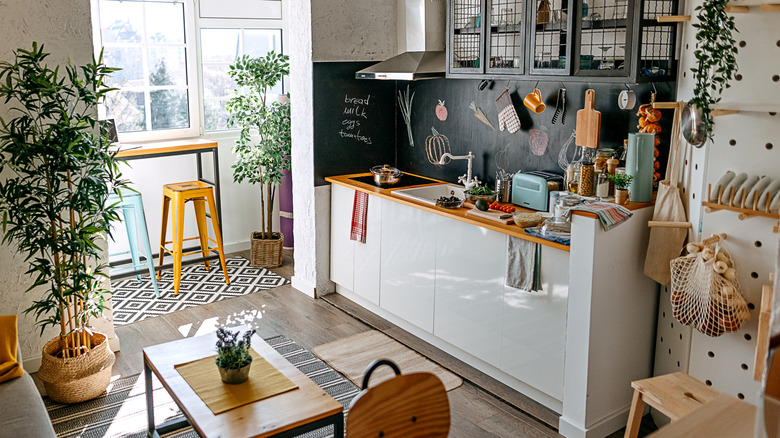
429, 194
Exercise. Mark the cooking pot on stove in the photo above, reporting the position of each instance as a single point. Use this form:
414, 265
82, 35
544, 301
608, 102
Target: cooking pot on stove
386, 174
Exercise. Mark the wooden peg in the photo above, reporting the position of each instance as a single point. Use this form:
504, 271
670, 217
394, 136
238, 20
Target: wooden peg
713, 239
723, 112
744, 216
673, 18
737, 9
664, 224
665, 105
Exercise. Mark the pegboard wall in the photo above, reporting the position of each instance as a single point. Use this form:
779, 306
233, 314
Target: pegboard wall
748, 141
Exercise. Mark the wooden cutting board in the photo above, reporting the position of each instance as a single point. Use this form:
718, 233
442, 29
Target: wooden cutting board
588, 123
493, 215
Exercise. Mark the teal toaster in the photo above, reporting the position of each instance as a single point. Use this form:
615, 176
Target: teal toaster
532, 189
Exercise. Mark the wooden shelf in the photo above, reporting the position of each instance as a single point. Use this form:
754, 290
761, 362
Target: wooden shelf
673, 18
725, 109
744, 6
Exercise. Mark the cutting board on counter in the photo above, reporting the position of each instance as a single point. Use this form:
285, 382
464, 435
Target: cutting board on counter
588, 123
493, 215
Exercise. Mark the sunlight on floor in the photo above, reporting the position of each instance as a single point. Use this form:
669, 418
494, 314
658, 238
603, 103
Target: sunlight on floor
245, 318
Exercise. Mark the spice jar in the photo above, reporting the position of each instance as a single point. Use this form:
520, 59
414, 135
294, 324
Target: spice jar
586, 180
602, 186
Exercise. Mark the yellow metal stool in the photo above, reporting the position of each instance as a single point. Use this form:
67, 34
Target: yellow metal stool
199, 193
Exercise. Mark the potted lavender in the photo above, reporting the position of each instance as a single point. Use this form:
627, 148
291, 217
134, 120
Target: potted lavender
233, 358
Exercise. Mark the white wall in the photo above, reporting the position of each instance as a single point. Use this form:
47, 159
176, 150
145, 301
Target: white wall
727, 361
65, 30
326, 30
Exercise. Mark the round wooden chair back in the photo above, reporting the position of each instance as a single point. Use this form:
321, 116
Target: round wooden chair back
407, 405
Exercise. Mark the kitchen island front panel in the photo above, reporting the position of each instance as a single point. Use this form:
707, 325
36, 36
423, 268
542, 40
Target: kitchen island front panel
533, 329
408, 264
470, 273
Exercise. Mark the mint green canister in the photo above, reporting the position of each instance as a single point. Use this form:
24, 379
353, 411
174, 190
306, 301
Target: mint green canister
639, 164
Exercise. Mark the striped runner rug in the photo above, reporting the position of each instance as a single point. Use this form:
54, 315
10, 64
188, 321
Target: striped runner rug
121, 412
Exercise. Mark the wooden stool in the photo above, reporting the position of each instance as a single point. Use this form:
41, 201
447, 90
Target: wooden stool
199, 193
674, 395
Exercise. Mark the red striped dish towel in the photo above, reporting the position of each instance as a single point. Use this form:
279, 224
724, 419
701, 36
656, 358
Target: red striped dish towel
359, 213
610, 215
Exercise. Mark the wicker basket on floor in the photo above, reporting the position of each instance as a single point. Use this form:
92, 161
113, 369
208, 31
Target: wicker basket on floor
266, 253
80, 378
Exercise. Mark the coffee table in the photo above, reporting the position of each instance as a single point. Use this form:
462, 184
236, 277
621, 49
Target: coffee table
285, 415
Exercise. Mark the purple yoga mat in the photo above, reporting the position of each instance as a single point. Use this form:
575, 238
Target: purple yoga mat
286, 209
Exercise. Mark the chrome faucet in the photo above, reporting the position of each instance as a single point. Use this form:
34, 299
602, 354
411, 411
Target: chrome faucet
467, 180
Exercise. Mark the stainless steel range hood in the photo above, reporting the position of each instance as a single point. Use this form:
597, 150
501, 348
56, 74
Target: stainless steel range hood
421, 39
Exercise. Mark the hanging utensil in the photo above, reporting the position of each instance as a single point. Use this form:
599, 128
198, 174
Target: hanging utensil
560, 106
693, 128
588, 123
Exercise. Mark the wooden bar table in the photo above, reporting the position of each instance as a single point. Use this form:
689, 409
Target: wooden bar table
284, 415
159, 149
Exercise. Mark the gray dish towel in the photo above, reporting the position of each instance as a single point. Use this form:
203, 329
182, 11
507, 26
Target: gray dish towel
524, 259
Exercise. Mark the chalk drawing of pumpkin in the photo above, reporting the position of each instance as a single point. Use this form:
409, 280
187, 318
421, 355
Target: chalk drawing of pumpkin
441, 111
436, 145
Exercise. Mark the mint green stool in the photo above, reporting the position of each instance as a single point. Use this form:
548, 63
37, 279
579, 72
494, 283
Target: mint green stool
135, 223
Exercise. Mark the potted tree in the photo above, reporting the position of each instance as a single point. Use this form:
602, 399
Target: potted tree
263, 148
58, 172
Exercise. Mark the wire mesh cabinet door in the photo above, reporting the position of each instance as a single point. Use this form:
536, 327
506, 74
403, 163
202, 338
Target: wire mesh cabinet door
465, 28
657, 42
550, 36
622, 38
506, 37
605, 43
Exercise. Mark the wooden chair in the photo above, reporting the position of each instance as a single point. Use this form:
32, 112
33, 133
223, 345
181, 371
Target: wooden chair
674, 395
408, 405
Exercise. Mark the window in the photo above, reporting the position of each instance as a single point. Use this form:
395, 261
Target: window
164, 92
219, 48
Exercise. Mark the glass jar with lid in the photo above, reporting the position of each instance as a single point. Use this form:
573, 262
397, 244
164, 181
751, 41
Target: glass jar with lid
602, 155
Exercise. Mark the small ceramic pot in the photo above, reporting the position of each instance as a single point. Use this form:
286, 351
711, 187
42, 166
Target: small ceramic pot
621, 197
236, 376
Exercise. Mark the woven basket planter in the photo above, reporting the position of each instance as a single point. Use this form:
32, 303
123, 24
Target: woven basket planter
76, 379
266, 253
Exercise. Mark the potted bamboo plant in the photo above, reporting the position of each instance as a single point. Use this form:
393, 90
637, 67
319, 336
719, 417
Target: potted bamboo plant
58, 172
263, 148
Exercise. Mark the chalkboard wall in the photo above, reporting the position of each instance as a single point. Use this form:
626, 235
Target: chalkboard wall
338, 149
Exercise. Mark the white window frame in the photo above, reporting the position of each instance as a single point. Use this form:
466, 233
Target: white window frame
240, 25
193, 100
192, 25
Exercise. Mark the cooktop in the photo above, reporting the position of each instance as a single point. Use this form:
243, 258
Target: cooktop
405, 181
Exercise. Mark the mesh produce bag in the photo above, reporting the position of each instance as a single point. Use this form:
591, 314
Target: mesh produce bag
705, 292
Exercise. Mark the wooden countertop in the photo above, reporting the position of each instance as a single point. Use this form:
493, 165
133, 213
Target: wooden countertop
129, 150
460, 213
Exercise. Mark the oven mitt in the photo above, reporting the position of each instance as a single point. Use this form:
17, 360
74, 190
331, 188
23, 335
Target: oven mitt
507, 115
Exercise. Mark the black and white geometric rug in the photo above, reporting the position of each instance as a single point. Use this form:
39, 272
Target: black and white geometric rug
135, 300
121, 412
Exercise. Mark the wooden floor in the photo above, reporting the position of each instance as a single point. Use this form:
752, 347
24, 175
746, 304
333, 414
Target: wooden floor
476, 411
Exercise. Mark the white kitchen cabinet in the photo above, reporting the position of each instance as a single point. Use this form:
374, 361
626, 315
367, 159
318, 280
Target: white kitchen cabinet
354, 265
533, 331
408, 263
470, 272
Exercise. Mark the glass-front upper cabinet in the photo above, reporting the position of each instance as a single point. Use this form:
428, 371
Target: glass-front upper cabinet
551, 36
486, 37
466, 50
506, 37
624, 38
